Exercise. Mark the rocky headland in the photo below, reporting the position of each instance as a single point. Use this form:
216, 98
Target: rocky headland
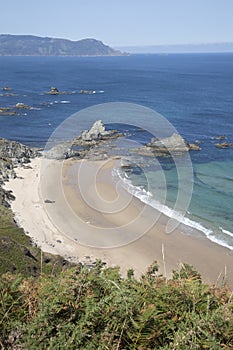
30, 45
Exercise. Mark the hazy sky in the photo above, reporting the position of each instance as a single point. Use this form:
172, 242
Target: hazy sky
121, 22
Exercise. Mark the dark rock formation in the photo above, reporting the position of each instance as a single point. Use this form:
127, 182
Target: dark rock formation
6, 197
21, 105
6, 88
194, 146
220, 137
13, 153
224, 145
55, 91
7, 111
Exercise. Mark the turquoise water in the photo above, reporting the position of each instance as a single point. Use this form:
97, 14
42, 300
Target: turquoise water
210, 209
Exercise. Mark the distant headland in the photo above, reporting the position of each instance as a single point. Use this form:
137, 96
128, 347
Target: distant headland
30, 45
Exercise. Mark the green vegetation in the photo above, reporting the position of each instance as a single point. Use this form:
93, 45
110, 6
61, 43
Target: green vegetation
17, 254
46, 305
97, 309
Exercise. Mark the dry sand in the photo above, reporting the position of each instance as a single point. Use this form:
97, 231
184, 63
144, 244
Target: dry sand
75, 209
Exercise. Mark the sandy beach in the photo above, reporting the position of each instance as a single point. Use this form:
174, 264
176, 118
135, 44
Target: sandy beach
77, 210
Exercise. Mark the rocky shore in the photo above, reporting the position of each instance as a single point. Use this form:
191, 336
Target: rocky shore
12, 154
92, 144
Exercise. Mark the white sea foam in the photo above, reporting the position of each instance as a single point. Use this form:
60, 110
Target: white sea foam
63, 101
219, 242
226, 232
147, 198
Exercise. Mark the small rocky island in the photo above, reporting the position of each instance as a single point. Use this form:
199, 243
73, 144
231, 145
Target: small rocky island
54, 91
10, 111
173, 145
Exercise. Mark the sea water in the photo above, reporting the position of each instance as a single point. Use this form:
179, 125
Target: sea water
194, 93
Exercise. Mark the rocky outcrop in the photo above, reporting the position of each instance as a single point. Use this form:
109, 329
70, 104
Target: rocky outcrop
13, 153
174, 144
6, 88
55, 91
97, 132
88, 145
193, 146
6, 197
220, 137
7, 111
61, 151
17, 152
21, 105
224, 145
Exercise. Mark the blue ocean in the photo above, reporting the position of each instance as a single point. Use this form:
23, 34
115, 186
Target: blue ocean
194, 92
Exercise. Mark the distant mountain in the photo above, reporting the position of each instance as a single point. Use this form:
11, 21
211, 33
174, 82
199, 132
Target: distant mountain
186, 48
30, 45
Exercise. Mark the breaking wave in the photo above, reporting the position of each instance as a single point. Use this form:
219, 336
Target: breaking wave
148, 198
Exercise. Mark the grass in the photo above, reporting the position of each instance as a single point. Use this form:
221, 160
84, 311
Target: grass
18, 254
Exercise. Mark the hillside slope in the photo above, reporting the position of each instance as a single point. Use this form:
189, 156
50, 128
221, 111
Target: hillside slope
30, 45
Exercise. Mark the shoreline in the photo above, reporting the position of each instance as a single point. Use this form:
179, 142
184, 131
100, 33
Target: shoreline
121, 229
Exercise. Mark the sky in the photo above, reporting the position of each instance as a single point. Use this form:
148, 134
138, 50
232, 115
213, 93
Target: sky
121, 22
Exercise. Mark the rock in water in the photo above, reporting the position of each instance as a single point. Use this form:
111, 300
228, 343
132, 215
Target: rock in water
174, 143
22, 106
224, 145
96, 132
194, 147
